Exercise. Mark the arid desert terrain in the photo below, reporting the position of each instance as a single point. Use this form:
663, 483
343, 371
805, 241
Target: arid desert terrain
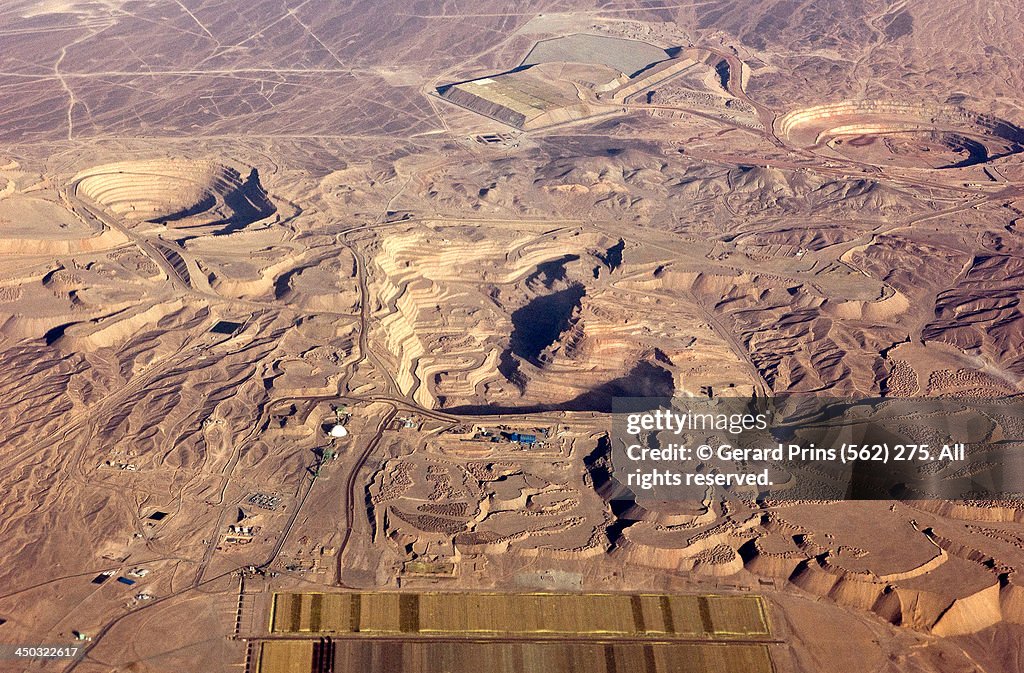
312, 315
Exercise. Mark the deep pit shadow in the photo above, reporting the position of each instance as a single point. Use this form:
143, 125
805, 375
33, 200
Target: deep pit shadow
248, 203
539, 323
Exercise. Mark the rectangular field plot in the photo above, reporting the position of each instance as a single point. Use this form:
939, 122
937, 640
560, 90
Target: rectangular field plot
735, 616
521, 615
286, 656
526, 614
423, 656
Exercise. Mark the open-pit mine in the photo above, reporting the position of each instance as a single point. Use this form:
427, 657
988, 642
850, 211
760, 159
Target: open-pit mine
313, 317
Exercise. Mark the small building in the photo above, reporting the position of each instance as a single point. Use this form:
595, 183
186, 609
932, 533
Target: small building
523, 438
